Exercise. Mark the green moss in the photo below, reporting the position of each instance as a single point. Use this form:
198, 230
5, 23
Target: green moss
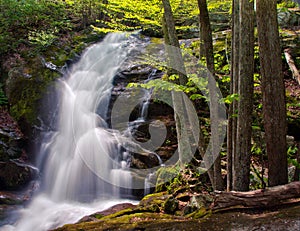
164, 176
153, 202
200, 213
117, 214
24, 93
126, 222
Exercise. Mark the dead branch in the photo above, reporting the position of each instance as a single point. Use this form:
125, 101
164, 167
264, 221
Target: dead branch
291, 63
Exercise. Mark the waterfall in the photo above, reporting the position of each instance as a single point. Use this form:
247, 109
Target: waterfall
79, 160
81, 153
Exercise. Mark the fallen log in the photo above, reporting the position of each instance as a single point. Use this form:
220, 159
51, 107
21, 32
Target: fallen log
291, 63
262, 198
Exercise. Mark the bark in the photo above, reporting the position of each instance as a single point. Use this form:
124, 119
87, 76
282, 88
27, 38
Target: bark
175, 56
273, 91
206, 36
262, 198
242, 155
184, 128
232, 120
291, 63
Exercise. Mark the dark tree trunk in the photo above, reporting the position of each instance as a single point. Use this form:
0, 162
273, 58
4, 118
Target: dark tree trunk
242, 155
234, 77
273, 90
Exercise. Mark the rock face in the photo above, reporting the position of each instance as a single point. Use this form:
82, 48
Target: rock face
14, 173
11, 138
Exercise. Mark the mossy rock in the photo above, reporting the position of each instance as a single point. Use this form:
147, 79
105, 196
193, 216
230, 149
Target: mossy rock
171, 205
196, 203
136, 221
25, 89
153, 202
164, 176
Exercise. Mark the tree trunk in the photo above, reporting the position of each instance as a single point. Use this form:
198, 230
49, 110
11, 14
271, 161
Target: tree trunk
182, 117
206, 36
273, 91
175, 56
242, 155
262, 198
234, 77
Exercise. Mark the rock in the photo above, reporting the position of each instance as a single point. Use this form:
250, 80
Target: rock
109, 211
171, 205
198, 202
288, 18
153, 202
8, 198
144, 160
11, 138
14, 175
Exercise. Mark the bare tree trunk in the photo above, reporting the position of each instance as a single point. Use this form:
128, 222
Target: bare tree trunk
261, 198
206, 36
182, 118
234, 77
273, 91
242, 155
175, 56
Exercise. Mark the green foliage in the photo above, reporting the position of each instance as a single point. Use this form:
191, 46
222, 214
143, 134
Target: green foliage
36, 21
283, 5
291, 153
42, 39
219, 5
230, 98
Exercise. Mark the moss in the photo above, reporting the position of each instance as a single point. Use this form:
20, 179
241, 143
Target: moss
24, 93
117, 214
164, 176
126, 222
200, 213
153, 202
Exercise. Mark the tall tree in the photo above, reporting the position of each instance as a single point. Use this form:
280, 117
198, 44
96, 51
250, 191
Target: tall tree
234, 76
242, 154
206, 40
273, 91
171, 39
176, 66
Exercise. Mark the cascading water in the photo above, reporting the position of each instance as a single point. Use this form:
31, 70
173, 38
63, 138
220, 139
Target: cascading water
79, 159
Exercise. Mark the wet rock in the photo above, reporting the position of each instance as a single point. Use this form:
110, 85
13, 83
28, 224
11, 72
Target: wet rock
14, 175
144, 160
8, 198
11, 138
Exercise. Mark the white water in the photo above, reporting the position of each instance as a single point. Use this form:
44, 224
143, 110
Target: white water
80, 161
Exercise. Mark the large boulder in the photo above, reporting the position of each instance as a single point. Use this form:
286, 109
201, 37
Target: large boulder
15, 175
11, 139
